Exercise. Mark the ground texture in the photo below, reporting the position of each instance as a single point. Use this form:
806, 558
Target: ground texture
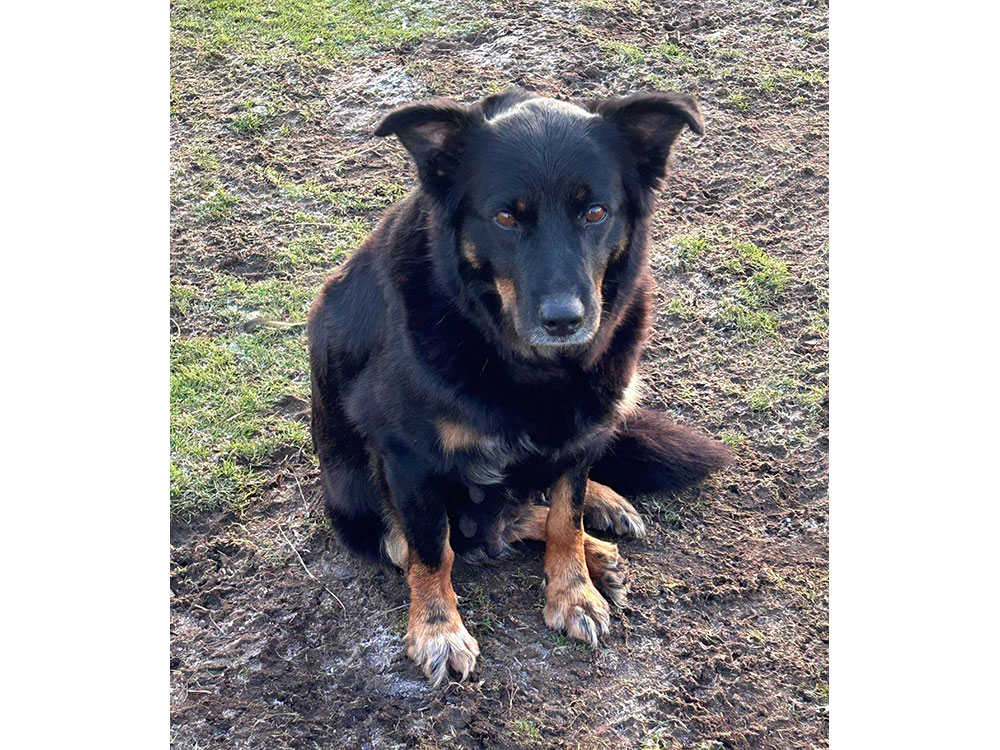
279, 639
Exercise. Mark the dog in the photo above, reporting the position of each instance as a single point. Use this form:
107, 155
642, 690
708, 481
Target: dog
474, 363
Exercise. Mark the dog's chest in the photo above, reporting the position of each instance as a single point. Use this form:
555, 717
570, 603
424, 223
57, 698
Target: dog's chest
529, 455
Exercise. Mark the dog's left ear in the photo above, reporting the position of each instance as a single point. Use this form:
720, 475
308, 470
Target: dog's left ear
433, 132
651, 123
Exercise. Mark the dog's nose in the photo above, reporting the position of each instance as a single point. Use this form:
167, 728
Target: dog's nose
561, 314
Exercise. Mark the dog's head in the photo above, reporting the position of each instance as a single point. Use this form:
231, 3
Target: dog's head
545, 194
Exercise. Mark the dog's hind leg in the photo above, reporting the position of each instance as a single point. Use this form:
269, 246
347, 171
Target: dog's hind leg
652, 453
605, 509
604, 564
353, 500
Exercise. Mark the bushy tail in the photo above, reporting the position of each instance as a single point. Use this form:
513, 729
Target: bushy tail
655, 454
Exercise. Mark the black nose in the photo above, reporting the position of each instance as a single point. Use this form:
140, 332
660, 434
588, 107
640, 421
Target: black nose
561, 314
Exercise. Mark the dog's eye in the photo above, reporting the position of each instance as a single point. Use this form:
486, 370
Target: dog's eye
505, 219
595, 214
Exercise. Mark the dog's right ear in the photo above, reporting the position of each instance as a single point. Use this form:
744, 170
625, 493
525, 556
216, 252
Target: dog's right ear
433, 131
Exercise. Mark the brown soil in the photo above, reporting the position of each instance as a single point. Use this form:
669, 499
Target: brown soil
280, 639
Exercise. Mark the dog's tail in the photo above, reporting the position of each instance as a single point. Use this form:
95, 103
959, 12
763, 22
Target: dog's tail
654, 454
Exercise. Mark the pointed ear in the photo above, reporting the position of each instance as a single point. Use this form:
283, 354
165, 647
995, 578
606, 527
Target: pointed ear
650, 123
433, 132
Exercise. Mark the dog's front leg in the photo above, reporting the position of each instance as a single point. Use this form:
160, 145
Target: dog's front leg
572, 603
436, 638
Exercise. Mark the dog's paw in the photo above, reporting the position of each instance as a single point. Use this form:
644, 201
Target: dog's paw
606, 510
579, 610
606, 568
436, 646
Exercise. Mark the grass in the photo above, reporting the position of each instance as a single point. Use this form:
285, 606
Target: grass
181, 297
762, 280
484, 620
630, 54
689, 248
311, 189
250, 120
327, 30
217, 205
624, 52
677, 307
562, 643
527, 728
732, 438
739, 100
766, 396
322, 250
226, 428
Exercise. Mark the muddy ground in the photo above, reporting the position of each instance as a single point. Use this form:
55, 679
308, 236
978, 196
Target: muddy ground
279, 638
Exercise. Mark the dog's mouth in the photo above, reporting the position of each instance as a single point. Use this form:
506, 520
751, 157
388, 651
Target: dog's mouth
542, 339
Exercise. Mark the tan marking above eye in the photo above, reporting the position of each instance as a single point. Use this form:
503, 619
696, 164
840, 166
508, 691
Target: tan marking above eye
595, 213
505, 219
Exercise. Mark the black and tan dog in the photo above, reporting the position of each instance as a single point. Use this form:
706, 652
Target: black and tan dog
477, 356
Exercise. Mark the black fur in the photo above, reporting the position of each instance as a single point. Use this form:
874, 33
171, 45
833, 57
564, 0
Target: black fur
415, 329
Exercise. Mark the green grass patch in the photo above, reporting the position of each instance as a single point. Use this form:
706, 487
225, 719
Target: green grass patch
251, 119
379, 196
756, 323
235, 300
225, 428
527, 728
677, 307
669, 51
631, 54
766, 396
732, 438
813, 398
217, 205
623, 52
282, 29
730, 54
204, 159
227, 431
797, 77
181, 297
326, 250
690, 247
662, 83
738, 100
758, 293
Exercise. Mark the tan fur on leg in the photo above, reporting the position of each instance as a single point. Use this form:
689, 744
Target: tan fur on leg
572, 603
437, 638
604, 564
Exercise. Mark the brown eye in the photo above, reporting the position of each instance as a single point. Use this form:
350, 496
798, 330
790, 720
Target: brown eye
505, 219
595, 213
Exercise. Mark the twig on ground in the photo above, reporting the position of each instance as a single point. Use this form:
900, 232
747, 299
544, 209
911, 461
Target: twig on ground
254, 323
306, 569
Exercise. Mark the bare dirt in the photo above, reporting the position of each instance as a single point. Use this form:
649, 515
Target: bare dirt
280, 639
